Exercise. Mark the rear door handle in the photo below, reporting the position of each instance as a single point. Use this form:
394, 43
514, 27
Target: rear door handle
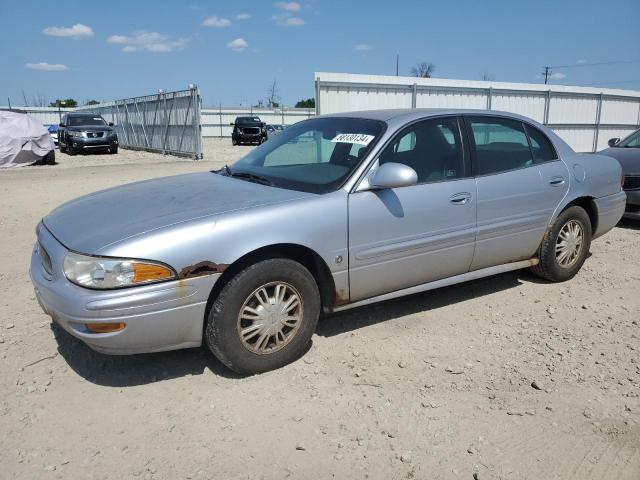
461, 198
556, 181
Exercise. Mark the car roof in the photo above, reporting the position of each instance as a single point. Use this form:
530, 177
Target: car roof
83, 114
408, 114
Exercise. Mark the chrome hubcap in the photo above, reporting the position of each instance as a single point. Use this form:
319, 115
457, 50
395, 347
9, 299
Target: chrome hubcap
569, 243
270, 317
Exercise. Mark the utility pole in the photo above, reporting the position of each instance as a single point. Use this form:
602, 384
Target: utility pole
397, 63
547, 74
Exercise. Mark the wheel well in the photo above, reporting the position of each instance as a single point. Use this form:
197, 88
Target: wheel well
590, 207
303, 255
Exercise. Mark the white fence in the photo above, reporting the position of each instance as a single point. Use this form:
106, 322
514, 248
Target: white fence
216, 121
584, 117
166, 122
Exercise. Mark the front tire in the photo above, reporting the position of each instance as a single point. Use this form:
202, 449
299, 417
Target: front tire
264, 317
565, 246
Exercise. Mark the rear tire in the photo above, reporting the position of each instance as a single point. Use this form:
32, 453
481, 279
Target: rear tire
565, 246
264, 317
50, 158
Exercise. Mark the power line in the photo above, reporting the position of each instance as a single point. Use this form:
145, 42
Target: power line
617, 62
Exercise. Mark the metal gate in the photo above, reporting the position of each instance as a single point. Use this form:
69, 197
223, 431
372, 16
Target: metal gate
167, 123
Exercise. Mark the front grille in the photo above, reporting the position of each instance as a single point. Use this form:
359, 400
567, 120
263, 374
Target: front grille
95, 134
251, 130
45, 258
631, 183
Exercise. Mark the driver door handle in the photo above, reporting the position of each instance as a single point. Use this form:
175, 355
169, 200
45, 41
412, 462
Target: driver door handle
461, 198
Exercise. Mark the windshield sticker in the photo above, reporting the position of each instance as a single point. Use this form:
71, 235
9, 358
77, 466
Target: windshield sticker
359, 138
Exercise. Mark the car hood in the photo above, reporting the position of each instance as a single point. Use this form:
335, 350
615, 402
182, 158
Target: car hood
90, 128
629, 159
90, 223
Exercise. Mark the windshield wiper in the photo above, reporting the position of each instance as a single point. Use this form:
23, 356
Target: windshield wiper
252, 177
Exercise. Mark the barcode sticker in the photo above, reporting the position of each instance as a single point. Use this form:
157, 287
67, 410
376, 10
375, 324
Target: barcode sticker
359, 138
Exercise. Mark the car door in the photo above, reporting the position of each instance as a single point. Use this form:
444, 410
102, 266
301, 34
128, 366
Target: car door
514, 201
402, 237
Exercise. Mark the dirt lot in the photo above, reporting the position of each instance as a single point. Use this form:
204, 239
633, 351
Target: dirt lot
437, 385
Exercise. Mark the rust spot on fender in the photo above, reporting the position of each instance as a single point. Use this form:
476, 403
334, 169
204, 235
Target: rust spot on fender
341, 297
201, 269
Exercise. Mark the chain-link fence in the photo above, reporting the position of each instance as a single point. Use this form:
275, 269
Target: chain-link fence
167, 123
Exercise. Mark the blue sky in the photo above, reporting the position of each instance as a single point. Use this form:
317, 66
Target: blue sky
234, 49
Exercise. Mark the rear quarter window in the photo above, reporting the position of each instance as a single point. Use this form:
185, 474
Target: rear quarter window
541, 147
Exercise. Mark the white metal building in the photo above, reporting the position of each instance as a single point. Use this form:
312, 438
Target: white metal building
584, 117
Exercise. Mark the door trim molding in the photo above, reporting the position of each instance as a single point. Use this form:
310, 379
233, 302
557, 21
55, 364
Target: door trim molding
445, 282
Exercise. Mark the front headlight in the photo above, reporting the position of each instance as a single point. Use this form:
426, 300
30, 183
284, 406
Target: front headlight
107, 273
73, 133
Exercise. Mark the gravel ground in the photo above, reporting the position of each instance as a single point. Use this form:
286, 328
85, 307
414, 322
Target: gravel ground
502, 378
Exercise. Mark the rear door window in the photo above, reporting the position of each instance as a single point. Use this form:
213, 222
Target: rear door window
501, 144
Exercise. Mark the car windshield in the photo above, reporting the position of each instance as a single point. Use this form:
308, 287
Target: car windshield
248, 120
75, 121
314, 156
632, 141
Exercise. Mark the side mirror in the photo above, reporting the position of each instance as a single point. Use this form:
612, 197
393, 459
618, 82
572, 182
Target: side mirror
393, 175
613, 142
232, 124
111, 124
61, 124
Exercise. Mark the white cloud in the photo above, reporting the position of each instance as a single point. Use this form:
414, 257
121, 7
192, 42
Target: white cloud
581, 61
75, 32
150, 41
243, 16
286, 20
50, 67
217, 22
289, 6
362, 47
238, 45
557, 76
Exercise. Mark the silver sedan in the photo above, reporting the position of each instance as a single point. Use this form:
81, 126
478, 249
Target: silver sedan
333, 213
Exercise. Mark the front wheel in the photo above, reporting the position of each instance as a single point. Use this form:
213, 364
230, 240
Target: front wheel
264, 317
565, 246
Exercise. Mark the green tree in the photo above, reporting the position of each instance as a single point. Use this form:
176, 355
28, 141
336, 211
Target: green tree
92, 102
308, 103
64, 103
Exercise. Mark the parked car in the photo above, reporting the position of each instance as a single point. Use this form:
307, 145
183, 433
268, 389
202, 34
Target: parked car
248, 130
24, 140
627, 152
83, 132
367, 206
273, 130
53, 131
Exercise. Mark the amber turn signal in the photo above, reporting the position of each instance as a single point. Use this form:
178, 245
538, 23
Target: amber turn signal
105, 327
148, 272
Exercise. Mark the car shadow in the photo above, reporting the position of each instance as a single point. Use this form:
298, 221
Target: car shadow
629, 224
366, 316
132, 370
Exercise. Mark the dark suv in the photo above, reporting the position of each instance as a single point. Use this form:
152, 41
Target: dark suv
82, 132
248, 130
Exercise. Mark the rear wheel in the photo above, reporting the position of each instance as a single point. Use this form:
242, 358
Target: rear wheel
50, 158
264, 316
565, 246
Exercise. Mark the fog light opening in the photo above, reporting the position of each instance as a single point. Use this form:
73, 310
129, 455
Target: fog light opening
104, 327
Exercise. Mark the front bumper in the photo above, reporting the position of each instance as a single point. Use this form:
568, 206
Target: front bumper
164, 316
83, 143
632, 210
